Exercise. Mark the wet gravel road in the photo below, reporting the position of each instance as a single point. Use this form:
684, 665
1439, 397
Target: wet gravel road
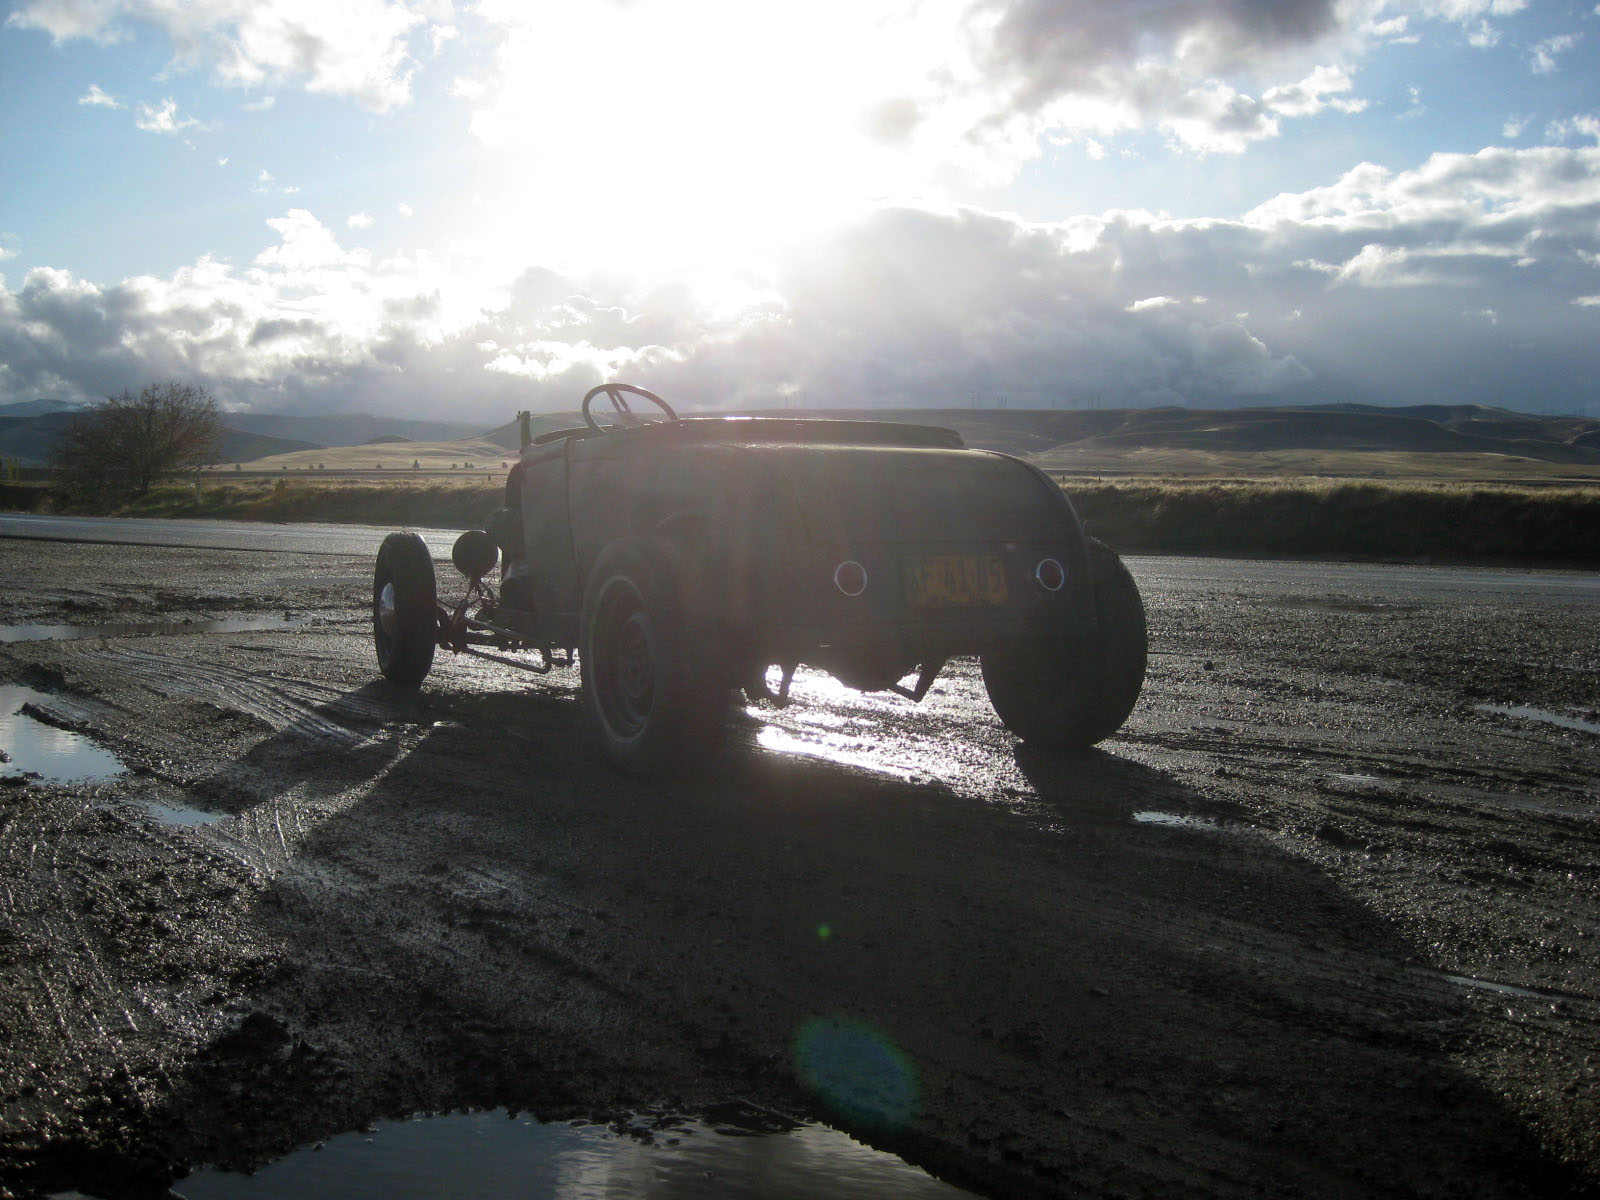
1322, 921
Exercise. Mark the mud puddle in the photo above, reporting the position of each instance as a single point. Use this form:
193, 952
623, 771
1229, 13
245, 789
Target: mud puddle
493, 1155
1169, 820
173, 814
35, 749
72, 633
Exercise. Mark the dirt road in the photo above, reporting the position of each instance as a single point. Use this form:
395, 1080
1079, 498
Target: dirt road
1323, 921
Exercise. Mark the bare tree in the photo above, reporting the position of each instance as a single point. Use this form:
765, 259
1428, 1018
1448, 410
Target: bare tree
119, 449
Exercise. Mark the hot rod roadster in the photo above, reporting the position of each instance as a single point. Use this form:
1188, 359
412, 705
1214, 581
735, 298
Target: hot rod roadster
678, 559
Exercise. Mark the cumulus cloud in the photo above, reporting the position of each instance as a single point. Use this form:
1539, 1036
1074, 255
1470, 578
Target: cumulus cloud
1215, 74
95, 98
1472, 277
357, 49
164, 118
1542, 58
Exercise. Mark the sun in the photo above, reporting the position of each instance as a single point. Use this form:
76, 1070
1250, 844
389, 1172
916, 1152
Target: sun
692, 148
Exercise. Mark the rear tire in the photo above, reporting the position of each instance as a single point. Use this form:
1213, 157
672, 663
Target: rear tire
405, 609
1072, 696
650, 689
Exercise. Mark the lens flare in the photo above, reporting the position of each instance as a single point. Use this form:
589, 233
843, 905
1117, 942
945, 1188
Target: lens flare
857, 1072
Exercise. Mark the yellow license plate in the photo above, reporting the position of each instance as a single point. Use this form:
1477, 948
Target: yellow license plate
954, 580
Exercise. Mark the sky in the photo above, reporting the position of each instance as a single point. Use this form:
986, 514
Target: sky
456, 210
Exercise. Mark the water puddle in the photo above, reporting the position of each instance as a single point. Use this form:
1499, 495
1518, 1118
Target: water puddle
1355, 780
1527, 713
1507, 989
1176, 821
69, 633
175, 814
490, 1156
37, 748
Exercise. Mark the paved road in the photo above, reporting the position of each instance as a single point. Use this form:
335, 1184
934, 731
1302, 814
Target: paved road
209, 535
1395, 583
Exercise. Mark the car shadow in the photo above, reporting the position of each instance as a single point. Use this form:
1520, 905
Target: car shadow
1055, 995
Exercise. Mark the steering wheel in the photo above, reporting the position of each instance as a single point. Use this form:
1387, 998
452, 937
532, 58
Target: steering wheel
618, 394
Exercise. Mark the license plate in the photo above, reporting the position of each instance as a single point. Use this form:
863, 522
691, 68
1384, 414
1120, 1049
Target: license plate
954, 580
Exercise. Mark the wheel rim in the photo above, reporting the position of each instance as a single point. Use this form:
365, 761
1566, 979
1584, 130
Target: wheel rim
385, 622
388, 621
625, 674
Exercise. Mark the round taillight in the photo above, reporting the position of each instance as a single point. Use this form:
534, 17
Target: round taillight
850, 577
1050, 575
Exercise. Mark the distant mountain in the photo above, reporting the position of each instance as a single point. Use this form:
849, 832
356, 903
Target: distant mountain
240, 447
1453, 429
1433, 428
355, 429
37, 408
30, 441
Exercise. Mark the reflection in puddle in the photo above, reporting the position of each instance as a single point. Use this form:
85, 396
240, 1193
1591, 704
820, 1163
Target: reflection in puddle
1489, 985
68, 633
1350, 779
1528, 713
35, 748
1175, 820
847, 751
488, 1156
172, 814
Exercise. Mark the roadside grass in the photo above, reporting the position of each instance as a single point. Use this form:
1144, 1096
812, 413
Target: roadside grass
1313, 518
1445, 521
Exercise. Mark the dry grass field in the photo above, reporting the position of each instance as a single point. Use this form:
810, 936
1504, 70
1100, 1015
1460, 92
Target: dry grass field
466, 455
1162, 462
1190, 487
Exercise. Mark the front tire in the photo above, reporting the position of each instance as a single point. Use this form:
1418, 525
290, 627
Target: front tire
650, 690
405, 609
1073, 695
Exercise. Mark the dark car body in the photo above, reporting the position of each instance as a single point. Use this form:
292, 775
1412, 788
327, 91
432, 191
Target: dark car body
683, 558
771, 508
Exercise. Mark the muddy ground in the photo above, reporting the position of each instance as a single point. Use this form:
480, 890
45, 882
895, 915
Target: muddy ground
1317, 923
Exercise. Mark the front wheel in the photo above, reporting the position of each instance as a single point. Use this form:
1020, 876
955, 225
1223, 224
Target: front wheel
405, 609
1075, 694
650, 691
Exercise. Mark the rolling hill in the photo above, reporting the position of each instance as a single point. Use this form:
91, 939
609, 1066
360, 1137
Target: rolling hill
30, 441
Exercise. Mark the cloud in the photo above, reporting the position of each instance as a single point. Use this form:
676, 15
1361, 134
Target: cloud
1542, 58
163, 118
358, 220
95, 98
355, 49
1471, 277
1574, 128
1217, 75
